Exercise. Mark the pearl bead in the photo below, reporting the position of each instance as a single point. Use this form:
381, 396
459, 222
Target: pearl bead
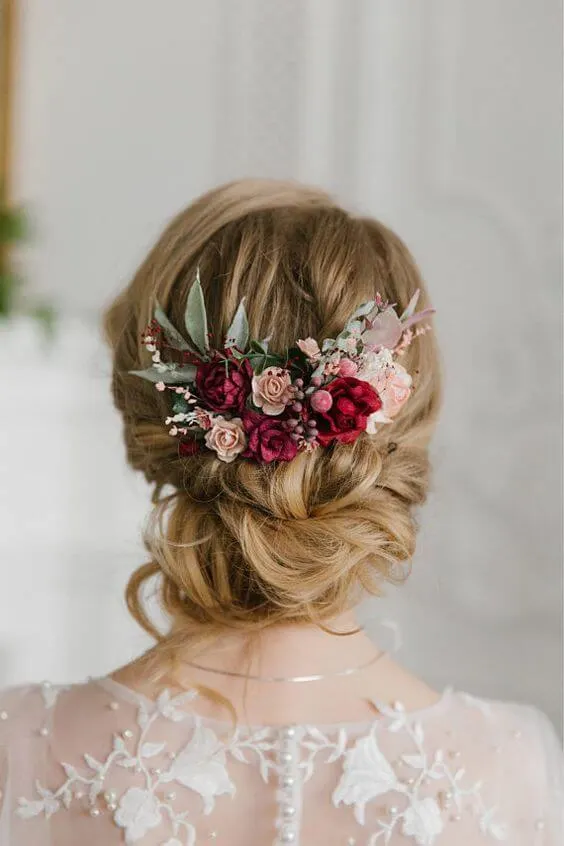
128, 733
351, 841
79, 794
44, 732
448, 795
114, 706
287, 758
110, 796
288, 837
156, 771
95, 812
3, 715
112, 806
287, 781
393, 810
539, 825
288, 811
171, 796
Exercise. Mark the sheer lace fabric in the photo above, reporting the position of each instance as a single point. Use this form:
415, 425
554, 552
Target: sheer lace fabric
99, 764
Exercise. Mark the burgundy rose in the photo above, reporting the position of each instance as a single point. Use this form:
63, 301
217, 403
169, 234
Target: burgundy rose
268, 439
189, 447
353, 402
224, 385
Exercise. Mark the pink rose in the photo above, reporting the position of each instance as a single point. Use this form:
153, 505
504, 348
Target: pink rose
310, 348
394, 395
273, 390
347, 367
269, 440
227, 438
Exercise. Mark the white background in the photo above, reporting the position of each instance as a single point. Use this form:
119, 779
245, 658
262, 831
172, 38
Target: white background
444, 119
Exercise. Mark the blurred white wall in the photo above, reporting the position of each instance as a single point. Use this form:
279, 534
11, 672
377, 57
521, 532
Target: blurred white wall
442, 118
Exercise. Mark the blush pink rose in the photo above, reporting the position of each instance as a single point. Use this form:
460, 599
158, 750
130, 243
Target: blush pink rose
394, 394
273, 390
227, 438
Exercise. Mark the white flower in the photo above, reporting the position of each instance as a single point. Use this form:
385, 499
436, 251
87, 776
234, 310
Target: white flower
138, 812
423, 821
201, 767
366, 775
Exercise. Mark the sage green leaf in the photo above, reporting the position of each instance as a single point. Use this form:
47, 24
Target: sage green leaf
195, 317
363, 310
178, 376
172, 334
238, 332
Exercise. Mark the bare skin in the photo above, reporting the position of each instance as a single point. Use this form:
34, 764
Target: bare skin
289, 651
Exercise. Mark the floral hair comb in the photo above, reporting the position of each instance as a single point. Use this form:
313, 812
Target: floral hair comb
245, 401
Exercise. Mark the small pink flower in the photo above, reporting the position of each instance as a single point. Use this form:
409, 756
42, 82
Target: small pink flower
227, 438
394, 395
321, 401
160, 386
203, 418
310, 348
347, 367
273, 390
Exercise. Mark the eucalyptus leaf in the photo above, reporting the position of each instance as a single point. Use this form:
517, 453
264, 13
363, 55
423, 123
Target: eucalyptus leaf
195, 317
411, 306
363, 310
177, 376
238, 332
172, 334
328, 344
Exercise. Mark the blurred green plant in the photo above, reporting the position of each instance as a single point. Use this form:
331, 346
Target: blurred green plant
13, 230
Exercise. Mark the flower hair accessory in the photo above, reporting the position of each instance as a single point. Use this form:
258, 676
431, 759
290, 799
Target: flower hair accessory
244, 401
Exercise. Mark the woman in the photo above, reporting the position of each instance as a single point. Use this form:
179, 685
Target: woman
279, 385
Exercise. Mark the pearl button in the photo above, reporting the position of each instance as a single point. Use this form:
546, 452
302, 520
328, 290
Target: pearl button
44, 732
171, 796
128, 733
112, 806
79, 794
114, 706
351, 841
95, 812
213, 835
393, 810
3, 715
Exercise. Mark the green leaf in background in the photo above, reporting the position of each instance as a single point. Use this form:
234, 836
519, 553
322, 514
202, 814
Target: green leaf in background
195, 317
8, 285
238, 332
13, 226
172, 334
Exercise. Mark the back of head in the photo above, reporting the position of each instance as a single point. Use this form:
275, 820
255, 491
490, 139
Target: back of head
247, 545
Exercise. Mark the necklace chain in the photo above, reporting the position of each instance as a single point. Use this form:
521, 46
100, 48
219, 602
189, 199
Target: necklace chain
295, 679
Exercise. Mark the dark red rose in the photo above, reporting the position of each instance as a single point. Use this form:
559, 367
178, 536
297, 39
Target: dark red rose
353, 402
189, 447
224, 385
268, 439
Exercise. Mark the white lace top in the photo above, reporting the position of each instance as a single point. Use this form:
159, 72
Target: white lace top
99, 764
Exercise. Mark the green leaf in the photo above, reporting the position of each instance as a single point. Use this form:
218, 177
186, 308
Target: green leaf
12, 225
172, 334
363, 310
238, 332
195, 318
260, 361
180, 406
178, 376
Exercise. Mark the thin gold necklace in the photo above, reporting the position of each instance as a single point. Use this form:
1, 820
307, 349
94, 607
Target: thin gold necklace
296, 679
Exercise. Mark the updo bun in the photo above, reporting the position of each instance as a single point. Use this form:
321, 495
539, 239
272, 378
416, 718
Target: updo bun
247, 545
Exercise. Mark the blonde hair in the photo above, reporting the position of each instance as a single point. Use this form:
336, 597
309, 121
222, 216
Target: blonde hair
242, 545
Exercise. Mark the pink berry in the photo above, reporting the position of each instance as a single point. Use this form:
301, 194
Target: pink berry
316, 381
347, 367
297, 406
321, 401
